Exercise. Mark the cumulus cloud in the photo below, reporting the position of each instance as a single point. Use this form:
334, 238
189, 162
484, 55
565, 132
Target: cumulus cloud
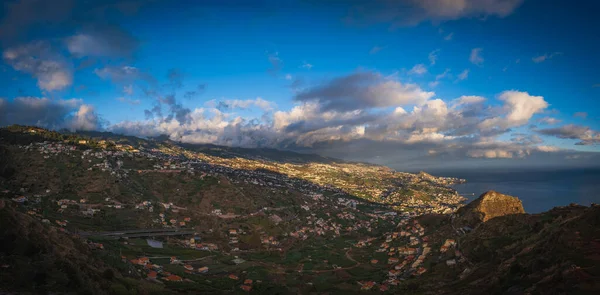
72, 114
360, 110
39, 60
363, 90
518, 108
584, 134
544, 57
475, 57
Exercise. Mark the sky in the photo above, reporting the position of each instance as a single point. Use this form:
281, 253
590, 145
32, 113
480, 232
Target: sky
409, 84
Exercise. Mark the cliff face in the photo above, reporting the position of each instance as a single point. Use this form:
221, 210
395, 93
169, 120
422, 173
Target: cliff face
489, 205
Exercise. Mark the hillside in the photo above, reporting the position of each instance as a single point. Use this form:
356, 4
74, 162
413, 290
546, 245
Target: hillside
92, 212
555, 252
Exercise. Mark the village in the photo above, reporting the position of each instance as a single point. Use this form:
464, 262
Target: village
378, 224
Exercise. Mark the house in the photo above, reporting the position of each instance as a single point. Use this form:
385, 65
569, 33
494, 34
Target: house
187, 219
174, 260
174, 278
203, 269
188, 267
367, 285
246, 288
421, 270
449, 243
233, 277
247, 282
383, 288
393, 260
407, 251
152, 274
451, 262
374, 261
233, 231
144, 260
393, 273
182, 223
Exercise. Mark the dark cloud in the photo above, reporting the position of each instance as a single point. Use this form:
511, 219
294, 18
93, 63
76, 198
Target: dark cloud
194, 93
102, 41
43, 63
583, 133
363, 90
54, 114
412, 12
22, 19
305, 126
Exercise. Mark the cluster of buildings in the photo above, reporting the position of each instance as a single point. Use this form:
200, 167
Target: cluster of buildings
156, 271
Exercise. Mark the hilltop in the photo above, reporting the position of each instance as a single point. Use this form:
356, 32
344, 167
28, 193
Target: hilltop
490, 205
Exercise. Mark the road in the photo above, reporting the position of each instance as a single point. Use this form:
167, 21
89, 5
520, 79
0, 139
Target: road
150, 232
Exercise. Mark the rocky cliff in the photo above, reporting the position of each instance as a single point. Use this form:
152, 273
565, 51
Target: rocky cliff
489, 205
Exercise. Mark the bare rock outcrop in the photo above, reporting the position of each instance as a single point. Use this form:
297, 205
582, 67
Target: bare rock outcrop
489, 205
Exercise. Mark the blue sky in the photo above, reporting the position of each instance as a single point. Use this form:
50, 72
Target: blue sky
349, 79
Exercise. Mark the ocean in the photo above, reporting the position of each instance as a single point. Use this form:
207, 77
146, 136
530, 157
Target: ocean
539, 190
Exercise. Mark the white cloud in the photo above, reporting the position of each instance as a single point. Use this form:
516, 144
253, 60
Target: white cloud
475, 57
433, 56
549, 120
439, 77
418, 69
128, 89
463, 75
518, 107
544, 57
288, 77
468, 99
306, 65
449, 37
